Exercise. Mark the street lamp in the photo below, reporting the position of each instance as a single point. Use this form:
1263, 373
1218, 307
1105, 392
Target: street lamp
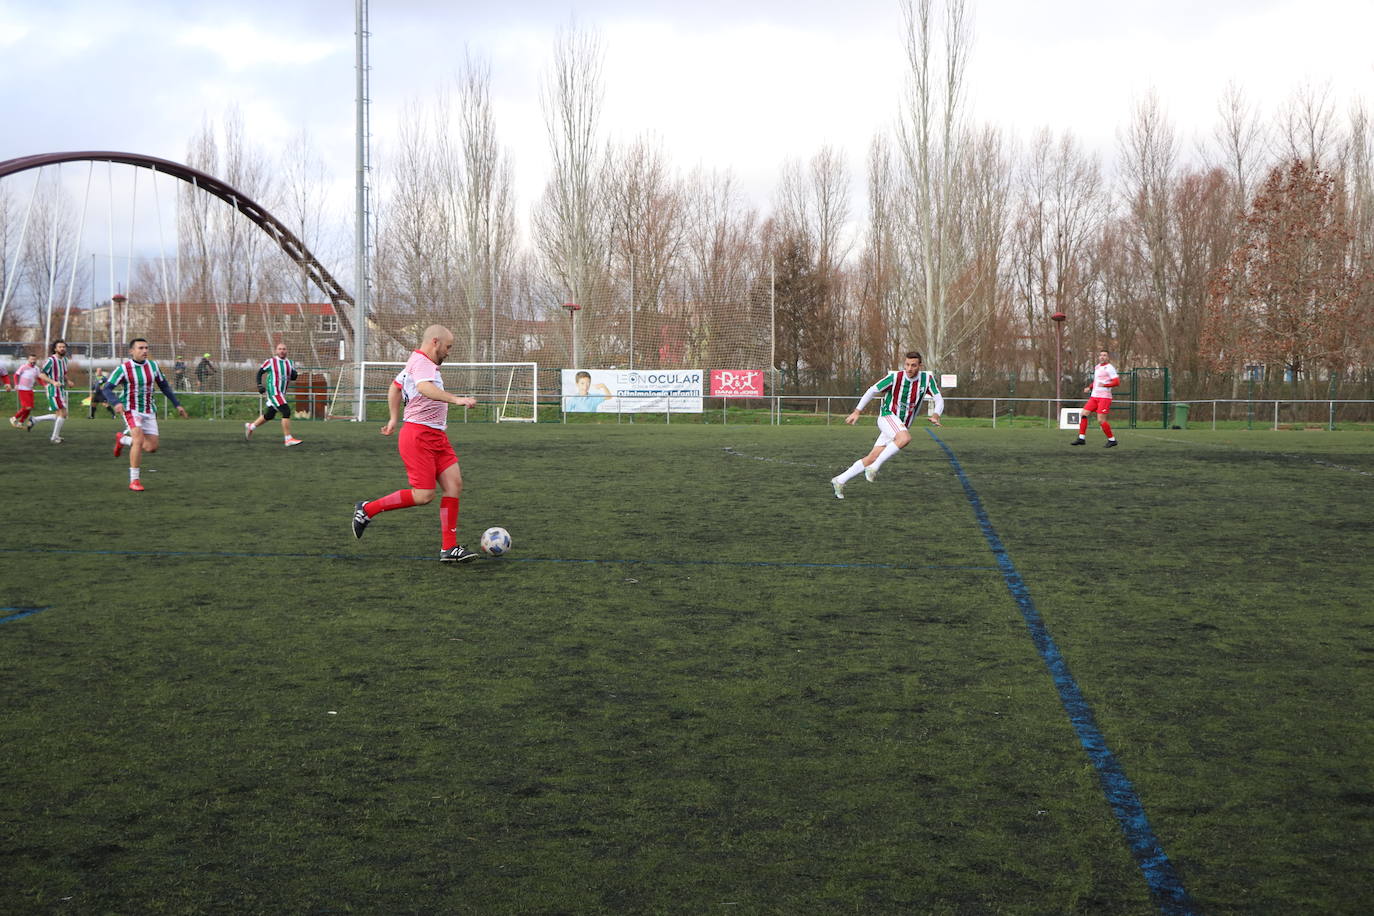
573, 308
117, 307
1058, 318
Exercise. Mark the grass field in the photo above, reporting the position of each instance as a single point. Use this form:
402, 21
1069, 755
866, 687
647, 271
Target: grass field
700, 684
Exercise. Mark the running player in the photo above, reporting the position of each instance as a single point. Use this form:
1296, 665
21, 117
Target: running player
55, 368
25, 377
424, 445
280, 372
1105, 378
138, 374
903, 391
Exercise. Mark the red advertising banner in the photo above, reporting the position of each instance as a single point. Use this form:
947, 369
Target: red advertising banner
736, 383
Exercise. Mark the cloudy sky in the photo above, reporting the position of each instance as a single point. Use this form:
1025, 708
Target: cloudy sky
725, 84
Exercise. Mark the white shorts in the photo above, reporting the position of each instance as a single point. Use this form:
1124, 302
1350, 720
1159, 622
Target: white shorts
888, 428
144, 421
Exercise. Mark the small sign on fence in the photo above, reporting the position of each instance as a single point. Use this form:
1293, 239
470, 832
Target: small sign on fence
1069, 417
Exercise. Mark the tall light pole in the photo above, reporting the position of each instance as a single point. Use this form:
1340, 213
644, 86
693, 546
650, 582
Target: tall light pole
362, 208
573, 308
1058, 318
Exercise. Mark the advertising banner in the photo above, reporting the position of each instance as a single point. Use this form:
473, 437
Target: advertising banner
736, 383
632, 390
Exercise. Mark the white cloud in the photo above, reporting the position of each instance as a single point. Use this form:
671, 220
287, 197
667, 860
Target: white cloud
244, 48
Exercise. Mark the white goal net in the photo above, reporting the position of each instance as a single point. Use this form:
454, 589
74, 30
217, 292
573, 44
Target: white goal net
505, 392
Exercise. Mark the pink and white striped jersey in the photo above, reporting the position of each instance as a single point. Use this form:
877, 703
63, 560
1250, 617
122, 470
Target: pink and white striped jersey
418, 408
1101, 376
25, 377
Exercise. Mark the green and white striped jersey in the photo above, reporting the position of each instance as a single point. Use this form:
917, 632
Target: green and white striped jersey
275, 375
55, 368
140, 380
902, 396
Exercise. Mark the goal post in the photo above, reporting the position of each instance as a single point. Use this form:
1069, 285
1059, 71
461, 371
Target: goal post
508, 391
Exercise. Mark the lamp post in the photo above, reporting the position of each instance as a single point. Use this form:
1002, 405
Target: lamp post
1058, 318
117, 307
573, 308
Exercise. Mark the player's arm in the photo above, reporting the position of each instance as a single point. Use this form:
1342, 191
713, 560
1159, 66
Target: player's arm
107, 392
258, 382
868, 395
937, 401
171, 395
393, 406
435, 393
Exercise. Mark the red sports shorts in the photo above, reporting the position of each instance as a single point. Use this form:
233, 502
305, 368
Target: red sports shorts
1098, 406
426, 453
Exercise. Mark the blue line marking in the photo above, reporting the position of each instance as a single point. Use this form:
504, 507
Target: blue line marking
23, 612
222, 554
1165, 886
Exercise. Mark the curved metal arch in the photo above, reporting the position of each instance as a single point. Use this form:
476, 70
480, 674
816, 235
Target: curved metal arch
273, 227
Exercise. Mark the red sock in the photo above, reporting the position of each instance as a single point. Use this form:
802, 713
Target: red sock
401, 499
1106, 428
1082, 426
448, 521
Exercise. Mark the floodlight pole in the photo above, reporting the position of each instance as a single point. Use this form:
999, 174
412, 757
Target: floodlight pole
362, 295
1058, 318
573, 308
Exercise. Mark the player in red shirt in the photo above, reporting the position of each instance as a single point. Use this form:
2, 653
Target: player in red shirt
424, 445
25, 377
1105, 378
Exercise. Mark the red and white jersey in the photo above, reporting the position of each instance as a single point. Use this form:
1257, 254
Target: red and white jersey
25, 377
1101, 376
418, 408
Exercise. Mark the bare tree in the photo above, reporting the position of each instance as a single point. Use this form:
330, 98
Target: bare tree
1150, 159
931, 134
649, 231
883, 317
304, 207
1061, 208
570, 223
1307, 126
486, 207
1240, 141
724, 274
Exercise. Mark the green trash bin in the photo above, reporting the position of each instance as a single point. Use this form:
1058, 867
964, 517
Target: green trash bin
1180, 416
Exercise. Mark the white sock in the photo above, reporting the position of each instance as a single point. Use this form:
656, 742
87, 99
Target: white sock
888, 452
133, 474
126, 439
855, 470
46, 416
57, 427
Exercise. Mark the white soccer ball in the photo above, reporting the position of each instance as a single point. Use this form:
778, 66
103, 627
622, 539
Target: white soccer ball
495, 542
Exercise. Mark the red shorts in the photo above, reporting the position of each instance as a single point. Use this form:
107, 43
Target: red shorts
426, 452
25, 398
1098, 406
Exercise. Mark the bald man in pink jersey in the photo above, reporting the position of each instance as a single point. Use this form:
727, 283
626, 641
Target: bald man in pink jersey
431, 464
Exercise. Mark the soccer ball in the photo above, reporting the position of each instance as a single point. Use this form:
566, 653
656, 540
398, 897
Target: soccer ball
495, 542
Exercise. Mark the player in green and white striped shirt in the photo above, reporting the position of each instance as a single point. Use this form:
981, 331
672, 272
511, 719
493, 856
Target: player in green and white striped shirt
903, 391
275, 375
139, 375
55, 368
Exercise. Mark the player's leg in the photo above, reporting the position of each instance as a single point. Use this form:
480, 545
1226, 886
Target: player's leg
138, 439
451, 482
1106, 427
859, 466
420, 472
287, 439
1083, 416
898, 439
